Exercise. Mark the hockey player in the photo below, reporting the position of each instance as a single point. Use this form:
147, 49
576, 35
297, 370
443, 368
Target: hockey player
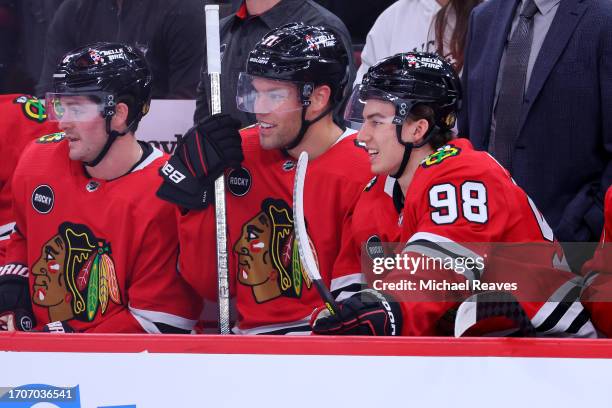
293, 79
458, 202
22, 118
597, 295
94, 249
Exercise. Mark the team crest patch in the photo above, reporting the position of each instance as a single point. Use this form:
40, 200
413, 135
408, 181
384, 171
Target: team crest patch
43, 199
51, 138
267, 253
440, 155
370, 184
32, 108
75, 275
239, 181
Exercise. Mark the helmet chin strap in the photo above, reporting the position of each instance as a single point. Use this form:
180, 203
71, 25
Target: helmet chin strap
304, 127
408, 148
112, 136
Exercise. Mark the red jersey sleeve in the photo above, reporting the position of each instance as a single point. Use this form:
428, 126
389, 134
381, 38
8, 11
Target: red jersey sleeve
160, 301
597, 296
22, 119
463, 206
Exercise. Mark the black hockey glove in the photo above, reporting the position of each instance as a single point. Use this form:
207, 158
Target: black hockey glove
202, 155
366, 313
15, 304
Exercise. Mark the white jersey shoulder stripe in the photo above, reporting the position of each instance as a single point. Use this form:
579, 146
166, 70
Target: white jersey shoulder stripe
389, 184
348, 132
155, 154
6, 230
449, 244
344, 281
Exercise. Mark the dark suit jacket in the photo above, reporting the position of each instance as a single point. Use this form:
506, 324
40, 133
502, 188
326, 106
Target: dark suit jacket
562, 154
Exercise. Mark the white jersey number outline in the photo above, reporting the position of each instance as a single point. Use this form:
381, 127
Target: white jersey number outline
443, 198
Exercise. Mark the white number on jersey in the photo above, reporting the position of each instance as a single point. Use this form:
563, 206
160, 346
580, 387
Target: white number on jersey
547, 232
443, 198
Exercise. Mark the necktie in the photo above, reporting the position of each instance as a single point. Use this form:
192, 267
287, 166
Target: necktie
512, 89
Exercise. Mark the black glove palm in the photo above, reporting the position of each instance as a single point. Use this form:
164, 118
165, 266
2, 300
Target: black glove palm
202, 155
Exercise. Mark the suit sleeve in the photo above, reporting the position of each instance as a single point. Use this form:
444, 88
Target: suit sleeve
582, 219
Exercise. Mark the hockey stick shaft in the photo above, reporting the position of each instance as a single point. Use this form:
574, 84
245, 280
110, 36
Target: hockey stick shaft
213, 59
306, 253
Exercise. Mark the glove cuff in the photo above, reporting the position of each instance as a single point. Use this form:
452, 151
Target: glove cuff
390, 305
57, 327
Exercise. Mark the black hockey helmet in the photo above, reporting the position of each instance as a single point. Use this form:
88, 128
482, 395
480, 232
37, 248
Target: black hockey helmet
307, 56
406, 80
109, 73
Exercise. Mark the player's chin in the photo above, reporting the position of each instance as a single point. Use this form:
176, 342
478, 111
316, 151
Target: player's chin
75, 153
269, 142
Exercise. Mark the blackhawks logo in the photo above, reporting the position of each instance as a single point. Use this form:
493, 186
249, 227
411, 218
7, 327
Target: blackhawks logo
32, 107
268, 257
51, 138
75, 276
440, 155
370, 184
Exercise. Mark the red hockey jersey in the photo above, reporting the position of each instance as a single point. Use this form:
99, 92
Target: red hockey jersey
461, 204
371, 228
102, 254
273, 293
597, 296
22, 118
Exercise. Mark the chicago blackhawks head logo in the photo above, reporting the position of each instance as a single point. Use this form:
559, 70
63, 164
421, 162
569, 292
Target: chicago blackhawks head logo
268, 258
75, 275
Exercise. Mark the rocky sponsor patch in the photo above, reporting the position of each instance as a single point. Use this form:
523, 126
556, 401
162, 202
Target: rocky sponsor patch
239, 181
43, 199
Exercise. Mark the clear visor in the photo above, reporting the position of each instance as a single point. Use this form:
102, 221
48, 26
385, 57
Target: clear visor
62, 107
373, 105
262, 95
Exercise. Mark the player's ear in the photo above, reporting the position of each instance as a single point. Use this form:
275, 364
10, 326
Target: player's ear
319, 100
119, 120
419, 130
